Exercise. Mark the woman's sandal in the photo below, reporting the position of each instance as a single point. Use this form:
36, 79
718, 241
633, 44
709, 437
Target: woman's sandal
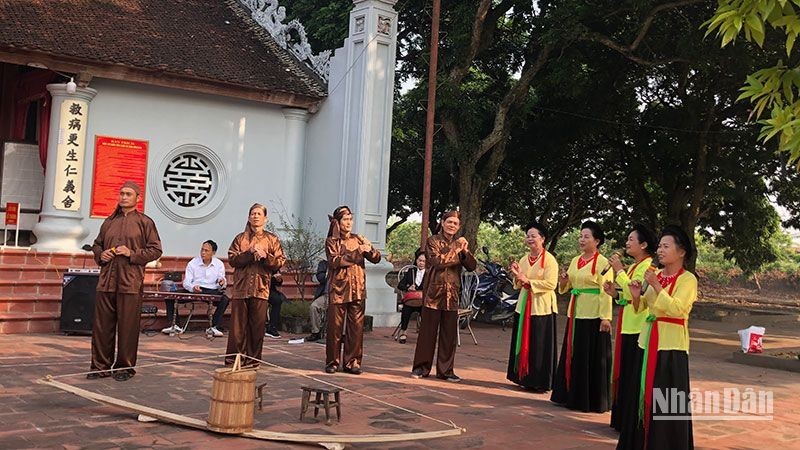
402, 339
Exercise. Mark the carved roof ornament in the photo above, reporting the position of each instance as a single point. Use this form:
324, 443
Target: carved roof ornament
290, 36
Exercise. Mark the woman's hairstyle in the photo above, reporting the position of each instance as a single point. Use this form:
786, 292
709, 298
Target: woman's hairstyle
446, 215
257, 205
248, 231
538, 227
417, 254
451, 213
597, 232
250, 211
681, 239
645, 236
338, 214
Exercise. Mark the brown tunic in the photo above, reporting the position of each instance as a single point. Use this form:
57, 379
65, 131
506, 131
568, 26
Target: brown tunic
137, 232
442, 282
251, 276
347, 281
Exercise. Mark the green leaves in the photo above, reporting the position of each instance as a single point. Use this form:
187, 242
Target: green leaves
774, 88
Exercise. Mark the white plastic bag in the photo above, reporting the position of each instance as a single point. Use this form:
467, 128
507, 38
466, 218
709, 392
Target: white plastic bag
751, 339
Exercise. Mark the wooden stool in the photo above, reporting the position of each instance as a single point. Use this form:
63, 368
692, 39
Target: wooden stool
260, 396
322, 399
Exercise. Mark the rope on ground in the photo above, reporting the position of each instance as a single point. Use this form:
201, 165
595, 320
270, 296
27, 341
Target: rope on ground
167, 363
267, 363
297, 372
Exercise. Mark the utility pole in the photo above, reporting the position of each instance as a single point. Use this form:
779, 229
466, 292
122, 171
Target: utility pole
429, 123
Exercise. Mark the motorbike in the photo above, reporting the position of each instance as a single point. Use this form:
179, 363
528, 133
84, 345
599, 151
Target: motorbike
496, 298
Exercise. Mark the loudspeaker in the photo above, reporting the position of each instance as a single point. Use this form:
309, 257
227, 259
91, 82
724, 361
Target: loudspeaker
77, 302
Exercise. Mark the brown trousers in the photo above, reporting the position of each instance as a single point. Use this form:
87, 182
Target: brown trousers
446, 323
116, 317
353, 333
248, 316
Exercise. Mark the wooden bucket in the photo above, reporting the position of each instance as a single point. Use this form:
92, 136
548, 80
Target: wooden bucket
232, 399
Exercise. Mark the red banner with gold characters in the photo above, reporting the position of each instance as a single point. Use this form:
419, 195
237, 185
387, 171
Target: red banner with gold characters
116, 160
12, 213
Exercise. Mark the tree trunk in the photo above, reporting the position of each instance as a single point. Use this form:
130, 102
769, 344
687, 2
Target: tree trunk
470, 204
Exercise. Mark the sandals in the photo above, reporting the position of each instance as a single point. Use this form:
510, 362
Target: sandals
402, 338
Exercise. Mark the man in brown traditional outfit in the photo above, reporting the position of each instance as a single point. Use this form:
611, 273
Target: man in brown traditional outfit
127, 241
347, 291
445, 257
255, 254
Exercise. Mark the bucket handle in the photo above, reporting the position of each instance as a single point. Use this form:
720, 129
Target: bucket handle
237, 363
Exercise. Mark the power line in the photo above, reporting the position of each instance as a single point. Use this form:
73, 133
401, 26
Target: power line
638, 125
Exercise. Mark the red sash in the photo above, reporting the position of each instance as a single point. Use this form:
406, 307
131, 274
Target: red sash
651, 358
524, 349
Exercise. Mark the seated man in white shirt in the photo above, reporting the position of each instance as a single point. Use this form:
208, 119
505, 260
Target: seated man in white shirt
205, 274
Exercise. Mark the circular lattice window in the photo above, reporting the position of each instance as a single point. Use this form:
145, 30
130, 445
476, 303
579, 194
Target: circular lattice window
188, 180
192, 184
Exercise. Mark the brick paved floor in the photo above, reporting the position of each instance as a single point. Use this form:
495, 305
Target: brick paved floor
495, 413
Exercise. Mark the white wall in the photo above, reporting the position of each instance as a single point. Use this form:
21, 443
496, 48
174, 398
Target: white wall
323, 164
248, 136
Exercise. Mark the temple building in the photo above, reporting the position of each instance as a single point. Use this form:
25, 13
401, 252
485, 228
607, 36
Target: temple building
210, 105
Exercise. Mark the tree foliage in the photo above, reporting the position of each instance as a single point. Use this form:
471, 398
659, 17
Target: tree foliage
614, 110
775, 88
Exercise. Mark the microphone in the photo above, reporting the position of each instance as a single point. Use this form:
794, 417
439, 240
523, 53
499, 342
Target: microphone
620, 254
86, 248
653, 267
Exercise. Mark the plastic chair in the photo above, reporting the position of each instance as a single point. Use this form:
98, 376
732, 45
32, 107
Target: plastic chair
469, 288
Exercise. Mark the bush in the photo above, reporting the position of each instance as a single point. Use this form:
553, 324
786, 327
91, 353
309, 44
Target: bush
296, 308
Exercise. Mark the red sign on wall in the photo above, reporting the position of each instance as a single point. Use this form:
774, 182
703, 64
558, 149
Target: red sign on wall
116, 160
12, 213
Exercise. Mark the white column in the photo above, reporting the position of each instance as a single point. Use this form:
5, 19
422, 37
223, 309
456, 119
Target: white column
295, 150
62, 230
366, 141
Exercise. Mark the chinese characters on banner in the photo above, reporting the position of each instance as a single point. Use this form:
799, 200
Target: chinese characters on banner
69, 163
116, 160
12, 213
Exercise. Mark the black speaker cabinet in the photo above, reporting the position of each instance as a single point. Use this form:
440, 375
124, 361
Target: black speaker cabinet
77, 302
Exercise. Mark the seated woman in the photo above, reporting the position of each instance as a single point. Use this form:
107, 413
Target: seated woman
410, 286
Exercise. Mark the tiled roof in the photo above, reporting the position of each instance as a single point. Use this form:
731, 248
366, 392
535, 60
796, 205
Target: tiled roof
207, 40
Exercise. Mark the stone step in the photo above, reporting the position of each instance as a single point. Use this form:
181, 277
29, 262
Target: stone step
30, 303
29, 322
28, 286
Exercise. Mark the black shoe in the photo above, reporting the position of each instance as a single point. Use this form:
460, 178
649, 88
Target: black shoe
354, 370
314, 337
330, 369
417, 373
272, 333
453, 378
97, 375
402, 338
123, 376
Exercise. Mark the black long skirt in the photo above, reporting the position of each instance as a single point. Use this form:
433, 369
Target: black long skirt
629, 371
590, 386
672, 372
541, 355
